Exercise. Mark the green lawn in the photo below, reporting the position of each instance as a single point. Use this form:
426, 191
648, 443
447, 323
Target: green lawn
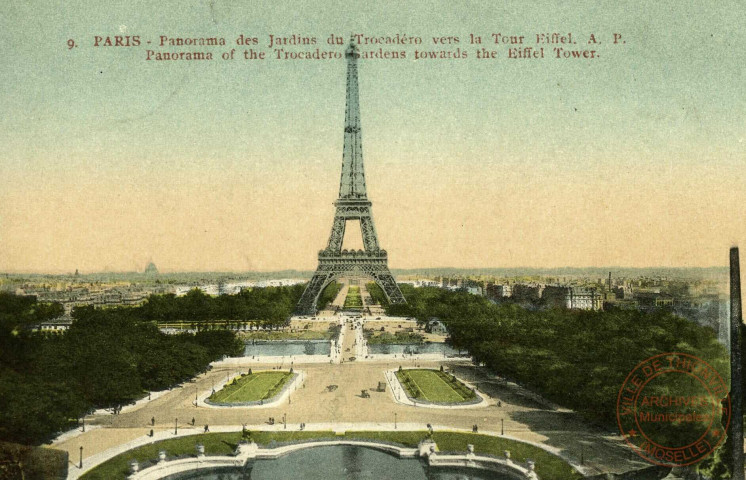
548, 466
374, 337
251, 388
434, 386
353, 299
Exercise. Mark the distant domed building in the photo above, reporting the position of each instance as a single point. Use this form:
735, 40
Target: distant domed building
151, 269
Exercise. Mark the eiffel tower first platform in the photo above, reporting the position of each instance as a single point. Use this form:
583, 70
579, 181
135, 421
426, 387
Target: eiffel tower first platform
352, 204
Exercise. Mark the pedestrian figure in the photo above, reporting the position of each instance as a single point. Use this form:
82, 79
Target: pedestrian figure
193, 421
207, 428
152, 421
499, 403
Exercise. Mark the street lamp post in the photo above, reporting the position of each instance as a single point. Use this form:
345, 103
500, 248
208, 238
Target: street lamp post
81, 457
285, 420
502, 426
83, 424
394, 420
176, 426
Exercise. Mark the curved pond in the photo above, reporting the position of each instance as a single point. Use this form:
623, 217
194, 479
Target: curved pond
343, 462
286, 348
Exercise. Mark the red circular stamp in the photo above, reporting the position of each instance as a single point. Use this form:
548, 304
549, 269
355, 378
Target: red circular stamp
673, 409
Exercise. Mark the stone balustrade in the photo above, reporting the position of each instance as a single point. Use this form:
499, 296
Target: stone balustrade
427, 450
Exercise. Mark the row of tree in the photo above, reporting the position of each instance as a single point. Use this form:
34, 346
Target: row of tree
18, 311
328, 295
107, 359
575, 358
548, 349
110, 357
376, 294
269, 306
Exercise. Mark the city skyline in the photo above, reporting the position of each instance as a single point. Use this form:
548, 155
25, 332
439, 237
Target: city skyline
635, 160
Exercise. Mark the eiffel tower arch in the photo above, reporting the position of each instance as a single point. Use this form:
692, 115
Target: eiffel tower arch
352, 204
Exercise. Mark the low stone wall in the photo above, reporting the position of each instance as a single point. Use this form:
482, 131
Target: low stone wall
340, 428
503, 467
249, 452
648, 473
276, 360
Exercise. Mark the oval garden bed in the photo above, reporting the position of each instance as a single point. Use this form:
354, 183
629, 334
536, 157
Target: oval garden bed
254, 388
436, 387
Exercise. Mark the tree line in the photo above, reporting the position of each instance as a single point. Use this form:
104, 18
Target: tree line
262, 306
108, 358
576, 358
547, 349
269, 306
328, 295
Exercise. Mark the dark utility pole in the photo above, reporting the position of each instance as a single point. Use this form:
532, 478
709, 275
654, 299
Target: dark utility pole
736, 389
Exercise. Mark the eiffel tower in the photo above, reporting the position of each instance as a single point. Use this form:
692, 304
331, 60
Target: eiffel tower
352, 204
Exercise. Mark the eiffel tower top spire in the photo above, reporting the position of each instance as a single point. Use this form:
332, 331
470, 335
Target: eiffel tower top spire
352, 183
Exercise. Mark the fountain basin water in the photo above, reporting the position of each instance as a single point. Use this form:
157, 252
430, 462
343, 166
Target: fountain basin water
286, 348
411, 349
345, 462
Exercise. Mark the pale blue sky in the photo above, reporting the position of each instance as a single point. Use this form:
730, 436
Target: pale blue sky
501, 163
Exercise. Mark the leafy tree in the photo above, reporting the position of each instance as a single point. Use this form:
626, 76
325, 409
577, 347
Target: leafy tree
219, 343
376, 294
34, 410
328, 295
545, 349
108, 358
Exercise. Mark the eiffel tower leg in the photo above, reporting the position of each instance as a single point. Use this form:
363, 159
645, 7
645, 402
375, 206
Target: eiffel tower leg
307, 303
370, 239
338, 234
390, 287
